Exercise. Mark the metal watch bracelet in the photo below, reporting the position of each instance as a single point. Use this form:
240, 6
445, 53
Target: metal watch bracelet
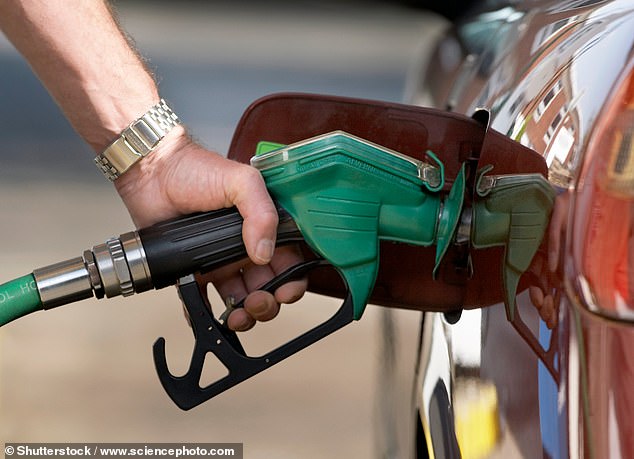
137, 140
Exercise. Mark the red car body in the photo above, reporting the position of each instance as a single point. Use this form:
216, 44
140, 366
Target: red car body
557, 77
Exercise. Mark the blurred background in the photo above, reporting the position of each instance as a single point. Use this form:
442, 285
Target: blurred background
84, 373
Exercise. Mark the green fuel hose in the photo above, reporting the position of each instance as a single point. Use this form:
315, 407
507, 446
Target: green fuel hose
18, 298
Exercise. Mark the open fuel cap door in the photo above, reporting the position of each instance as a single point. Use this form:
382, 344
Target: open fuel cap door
406, 273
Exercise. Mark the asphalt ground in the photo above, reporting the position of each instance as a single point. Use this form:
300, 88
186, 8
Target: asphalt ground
84, 373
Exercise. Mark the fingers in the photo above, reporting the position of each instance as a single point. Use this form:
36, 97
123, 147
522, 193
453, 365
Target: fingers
243, 279
286, 257
261, 306
258, 305
255, 276
240, 320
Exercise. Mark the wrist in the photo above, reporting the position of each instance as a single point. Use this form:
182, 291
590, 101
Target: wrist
144, 188
139, 139
151, 166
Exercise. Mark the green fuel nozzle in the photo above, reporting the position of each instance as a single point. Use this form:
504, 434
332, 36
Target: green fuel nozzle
346, 194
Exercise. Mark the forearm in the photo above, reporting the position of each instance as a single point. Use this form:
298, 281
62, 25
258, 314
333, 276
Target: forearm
97, 79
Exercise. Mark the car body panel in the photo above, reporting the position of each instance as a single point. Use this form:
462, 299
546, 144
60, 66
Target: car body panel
545, 71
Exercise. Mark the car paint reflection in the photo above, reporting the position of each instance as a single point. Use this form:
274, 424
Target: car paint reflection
565, 392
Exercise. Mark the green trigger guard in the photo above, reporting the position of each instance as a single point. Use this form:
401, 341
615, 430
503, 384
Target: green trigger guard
511, 211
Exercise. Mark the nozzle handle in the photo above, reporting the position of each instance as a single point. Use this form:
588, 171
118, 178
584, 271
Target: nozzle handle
211, 336
201, 242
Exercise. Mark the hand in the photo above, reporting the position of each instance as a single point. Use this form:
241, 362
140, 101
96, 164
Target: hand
181, 177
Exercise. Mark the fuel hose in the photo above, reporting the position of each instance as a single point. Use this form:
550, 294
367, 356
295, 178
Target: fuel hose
18, 298
137, 261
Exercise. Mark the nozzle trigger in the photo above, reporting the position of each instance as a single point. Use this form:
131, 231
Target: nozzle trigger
211, 336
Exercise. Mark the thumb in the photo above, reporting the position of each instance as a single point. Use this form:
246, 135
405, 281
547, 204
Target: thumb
259, 229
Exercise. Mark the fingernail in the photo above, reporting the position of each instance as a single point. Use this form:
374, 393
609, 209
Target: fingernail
264, 250
243, 325
239, 321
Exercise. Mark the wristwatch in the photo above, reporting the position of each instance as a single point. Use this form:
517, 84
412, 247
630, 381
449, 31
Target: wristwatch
137, 140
